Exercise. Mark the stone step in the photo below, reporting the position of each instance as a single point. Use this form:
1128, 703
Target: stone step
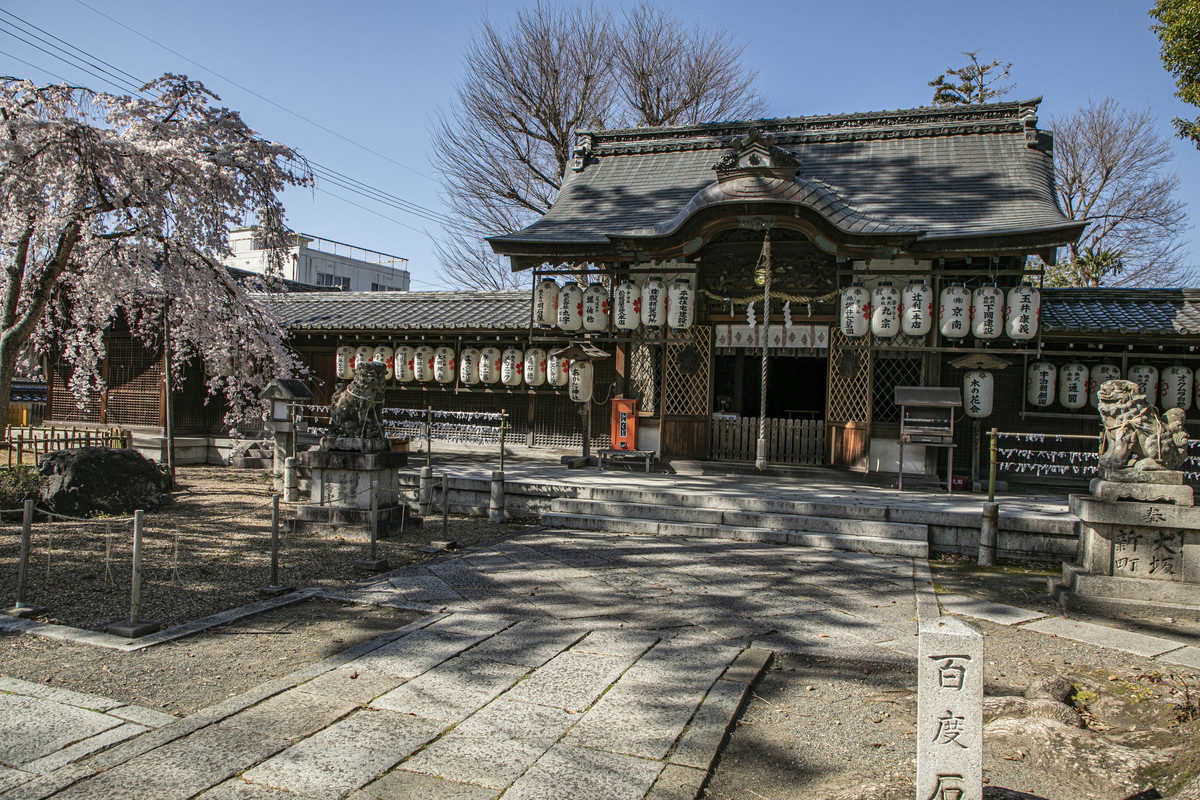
908, 548
744, 519
734, 502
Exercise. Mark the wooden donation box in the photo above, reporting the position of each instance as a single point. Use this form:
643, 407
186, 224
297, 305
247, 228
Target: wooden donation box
624, 424
927, 418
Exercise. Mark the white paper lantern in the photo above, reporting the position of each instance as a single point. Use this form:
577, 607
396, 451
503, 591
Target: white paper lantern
1175, 390
595, 307
1099, 374
512, 365
489, 364
468, 366
681, 304
535, 366
444, 364
580, 382
1023, 311
386, 356
1041, 383
405, 358
570, 307
916, 309
978, 392
423, 364
885, 310
363, 354
345, 362
1146, 377
557, 369
1073, 385
954, 313
987, 312
545, 302
627, 306
654, 303
856, 311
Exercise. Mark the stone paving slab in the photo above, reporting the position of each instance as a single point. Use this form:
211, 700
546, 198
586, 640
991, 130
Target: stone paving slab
452, 693
1138, 644
566, 771
495, 746
702, 741
571, 681
292, 715
35, 728
1184, 656
403, 785
180, 769
346, 755
982, 609
92, 744
637, 719
238, 789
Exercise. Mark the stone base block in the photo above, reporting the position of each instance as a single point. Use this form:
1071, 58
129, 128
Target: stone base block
24, 611
134, 630
1170, 492
276, 591
372, 564
1080, 590
353, 523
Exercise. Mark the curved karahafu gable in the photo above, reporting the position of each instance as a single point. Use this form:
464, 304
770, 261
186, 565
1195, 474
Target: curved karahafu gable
924, 179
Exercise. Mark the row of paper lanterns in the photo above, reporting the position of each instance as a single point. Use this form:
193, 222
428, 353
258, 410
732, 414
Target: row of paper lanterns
653, 304
1172, 387
985, 312
488, 365
1075, 385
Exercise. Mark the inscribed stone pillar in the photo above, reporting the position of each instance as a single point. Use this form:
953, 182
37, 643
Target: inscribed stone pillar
950, 711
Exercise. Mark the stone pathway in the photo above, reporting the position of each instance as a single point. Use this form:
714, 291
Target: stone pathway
553, 664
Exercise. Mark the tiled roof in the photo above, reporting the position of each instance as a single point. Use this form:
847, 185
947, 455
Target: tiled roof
958, 172
370, 311
1122, 311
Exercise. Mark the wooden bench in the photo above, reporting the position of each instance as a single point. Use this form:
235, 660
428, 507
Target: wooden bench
610, 456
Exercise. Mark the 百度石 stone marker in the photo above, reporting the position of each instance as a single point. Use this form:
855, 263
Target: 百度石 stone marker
950, 711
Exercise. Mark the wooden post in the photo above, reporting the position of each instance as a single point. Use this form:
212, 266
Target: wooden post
22, 608
135, 627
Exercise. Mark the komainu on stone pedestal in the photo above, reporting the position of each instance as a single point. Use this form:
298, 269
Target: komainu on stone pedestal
354, 414
1136, 437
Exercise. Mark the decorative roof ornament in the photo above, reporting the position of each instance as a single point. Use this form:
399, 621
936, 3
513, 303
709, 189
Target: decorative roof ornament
755, 154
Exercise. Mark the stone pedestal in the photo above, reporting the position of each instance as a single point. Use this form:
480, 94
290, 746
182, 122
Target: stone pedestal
340, 489
1135, 556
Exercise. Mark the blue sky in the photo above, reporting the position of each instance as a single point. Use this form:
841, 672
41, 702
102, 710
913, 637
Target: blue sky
377, 73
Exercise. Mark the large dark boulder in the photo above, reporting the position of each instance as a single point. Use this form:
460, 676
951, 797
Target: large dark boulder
85, 481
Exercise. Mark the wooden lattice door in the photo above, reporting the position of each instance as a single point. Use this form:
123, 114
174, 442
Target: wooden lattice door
687, 393
848, 417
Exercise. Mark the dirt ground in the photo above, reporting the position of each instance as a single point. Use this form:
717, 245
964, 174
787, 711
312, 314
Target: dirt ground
814, 728
205, 551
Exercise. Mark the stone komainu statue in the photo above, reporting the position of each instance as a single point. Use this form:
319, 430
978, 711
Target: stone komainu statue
1135, 435
355, 410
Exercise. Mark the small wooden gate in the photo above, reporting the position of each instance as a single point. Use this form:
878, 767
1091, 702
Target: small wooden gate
848, 413
789, 441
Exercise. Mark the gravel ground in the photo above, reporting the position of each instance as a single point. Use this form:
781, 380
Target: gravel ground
814, 728
834, 730
205, 551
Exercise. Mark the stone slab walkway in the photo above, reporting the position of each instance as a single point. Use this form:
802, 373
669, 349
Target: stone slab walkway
553, 664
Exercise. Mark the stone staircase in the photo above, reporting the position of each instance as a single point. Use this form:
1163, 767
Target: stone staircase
832, 526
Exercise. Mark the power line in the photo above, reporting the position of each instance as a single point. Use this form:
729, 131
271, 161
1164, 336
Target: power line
33, 66
325, 173
136, 82
256, 94
35, 46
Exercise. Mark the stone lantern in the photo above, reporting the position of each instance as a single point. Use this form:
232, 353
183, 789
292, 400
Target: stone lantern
282, 393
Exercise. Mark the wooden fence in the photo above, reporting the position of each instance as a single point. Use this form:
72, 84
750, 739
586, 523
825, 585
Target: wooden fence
39, 441
789, 441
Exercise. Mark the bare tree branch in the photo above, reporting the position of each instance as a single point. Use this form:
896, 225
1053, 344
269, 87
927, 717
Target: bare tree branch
1112, 169
504, 144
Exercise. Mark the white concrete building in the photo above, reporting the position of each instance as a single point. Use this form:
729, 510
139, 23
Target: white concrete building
324, 262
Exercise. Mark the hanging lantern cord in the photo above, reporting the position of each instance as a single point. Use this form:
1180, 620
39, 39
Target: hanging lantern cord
764, 268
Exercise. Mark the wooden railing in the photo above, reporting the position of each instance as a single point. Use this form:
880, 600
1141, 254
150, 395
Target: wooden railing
789, 441
28, 441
